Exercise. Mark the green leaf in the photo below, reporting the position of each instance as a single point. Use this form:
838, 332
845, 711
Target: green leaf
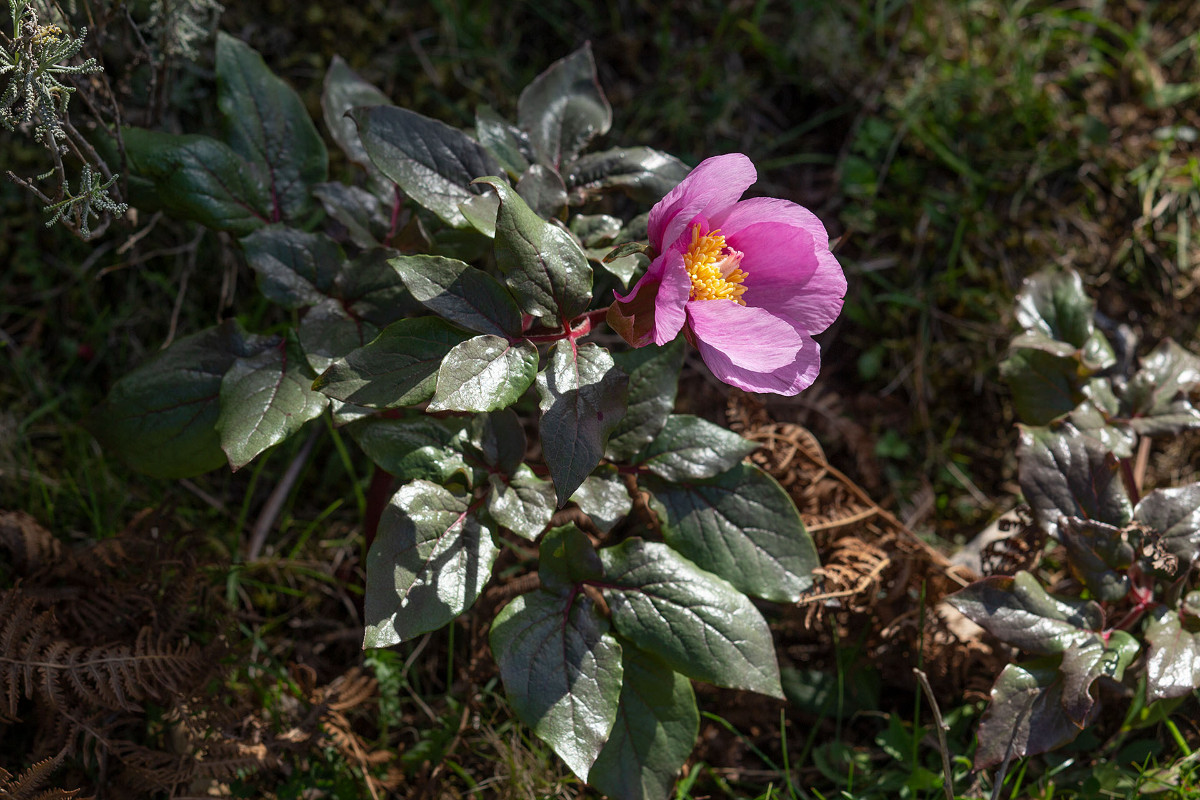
295, 268
499, 439
161, 418
362, 214
344, 90
1087, 661
542, 263
1098, 554
484, 374
564, 108
265, 398
542, 189
582, 399
691, 448
1058, 317
266, 123
1173, 662
561, 669
327, 333
432, 163
523, 502
505, 141
654, 733
693, 620
1018, 611
595, 230
653, 382
1025, 717
604, 497
460, 293
371, 290
567, 559
1044, 386
397, 368
1174, 512
414, 448
1066, 474
742, 526
200, 179
1156, 398
643, 173
1095, 417
429, 562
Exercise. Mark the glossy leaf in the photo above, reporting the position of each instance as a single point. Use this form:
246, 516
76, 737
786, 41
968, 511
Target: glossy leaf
200, 179
562, 672
295, 268
582, 399
742, 526
1044, 386
413, 448
542, 190
1098, 555
566, 559
604, 497
460, 293
1089, 660
653, 382
1173, 662
429, 562
361, 213
484, 374
522, 502
327, 333
508, 143
267, 124
371, 290
1155, 400
1174, 512
595, 230
397, 368
654, 733
1018, 611
1066, 474
643, 173
691, 619
542, 263
1058, 318
342, 91
564, 108
161, 418
691, 448
265, 398
498, 439
1025, 716
433, 163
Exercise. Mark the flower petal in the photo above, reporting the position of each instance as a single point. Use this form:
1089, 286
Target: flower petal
776, 254
788, 380
771, 209
670, 306
812, 305
710, 189
751, 338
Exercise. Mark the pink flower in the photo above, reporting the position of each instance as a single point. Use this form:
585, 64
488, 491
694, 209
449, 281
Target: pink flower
747, 281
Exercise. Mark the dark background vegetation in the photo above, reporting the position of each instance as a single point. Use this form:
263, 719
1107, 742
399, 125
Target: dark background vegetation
952, 146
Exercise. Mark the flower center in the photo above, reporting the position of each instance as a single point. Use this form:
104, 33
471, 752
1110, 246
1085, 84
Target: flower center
714, 268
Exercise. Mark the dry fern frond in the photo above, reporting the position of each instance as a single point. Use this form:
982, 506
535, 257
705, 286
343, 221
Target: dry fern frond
30, 546
29, 784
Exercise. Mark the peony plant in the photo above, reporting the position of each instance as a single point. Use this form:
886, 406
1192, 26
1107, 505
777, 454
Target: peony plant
443, 308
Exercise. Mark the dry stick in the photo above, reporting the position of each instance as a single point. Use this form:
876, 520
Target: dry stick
271, 508
948, 783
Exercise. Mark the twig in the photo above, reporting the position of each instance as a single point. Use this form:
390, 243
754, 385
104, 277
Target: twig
948, 783
271, 508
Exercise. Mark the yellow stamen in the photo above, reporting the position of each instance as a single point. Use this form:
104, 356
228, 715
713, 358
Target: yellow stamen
713, 268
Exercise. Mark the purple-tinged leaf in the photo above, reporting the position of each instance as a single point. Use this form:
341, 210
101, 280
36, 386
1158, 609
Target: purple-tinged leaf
1018, 611
1174, 513
542, 189
1067, 474
1097, 554
295, 268
644, 174
460, 293
564, 108
1025, 716
485, 373
267, 124
508, 143
1155, 400
344, 90
1087, 661
1044, 386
